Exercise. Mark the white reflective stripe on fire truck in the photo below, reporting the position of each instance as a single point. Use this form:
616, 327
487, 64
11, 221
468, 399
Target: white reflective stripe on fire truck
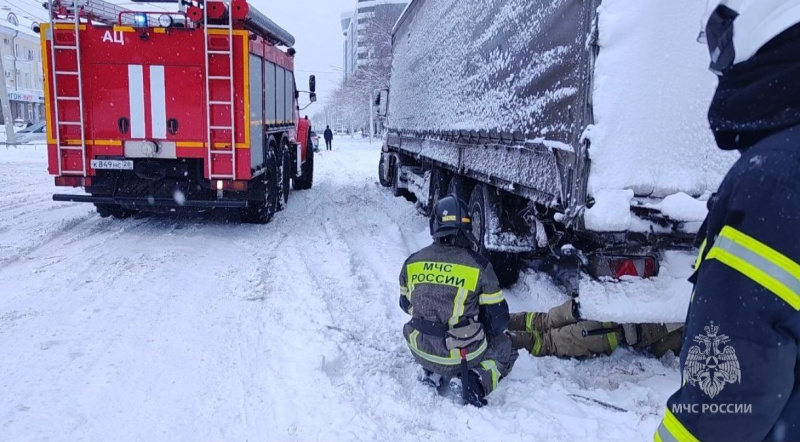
136, 99
158, 102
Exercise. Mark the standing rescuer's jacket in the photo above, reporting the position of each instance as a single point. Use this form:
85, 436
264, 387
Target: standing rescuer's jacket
444, 287
740, 361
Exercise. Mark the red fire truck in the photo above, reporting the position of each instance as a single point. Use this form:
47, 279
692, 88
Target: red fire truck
164, 111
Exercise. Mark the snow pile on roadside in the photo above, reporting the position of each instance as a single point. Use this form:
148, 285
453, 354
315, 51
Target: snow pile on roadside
652, 91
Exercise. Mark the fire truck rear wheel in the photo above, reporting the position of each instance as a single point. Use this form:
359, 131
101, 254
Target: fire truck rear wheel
306, 180
262, 210
107, 210
285, 173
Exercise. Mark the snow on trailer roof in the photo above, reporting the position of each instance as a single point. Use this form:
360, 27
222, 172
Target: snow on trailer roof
652, 89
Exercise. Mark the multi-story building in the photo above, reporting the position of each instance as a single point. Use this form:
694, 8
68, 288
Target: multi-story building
355, 25
22, 58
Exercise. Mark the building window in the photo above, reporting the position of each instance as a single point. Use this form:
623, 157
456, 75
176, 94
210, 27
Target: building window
12, 18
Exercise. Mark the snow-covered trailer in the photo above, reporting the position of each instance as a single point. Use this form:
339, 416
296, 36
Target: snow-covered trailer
155, 111
576, 131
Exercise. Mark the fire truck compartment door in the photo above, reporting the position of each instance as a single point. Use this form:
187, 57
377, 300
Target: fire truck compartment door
157, 103
109, 102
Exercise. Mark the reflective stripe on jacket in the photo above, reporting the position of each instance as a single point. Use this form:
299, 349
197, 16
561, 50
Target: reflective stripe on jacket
447, 284
740, 362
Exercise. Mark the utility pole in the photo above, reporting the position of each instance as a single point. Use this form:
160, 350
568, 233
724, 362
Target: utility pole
370, 116
7, 118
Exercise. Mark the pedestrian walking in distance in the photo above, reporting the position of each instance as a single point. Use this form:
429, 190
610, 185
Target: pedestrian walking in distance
328, 135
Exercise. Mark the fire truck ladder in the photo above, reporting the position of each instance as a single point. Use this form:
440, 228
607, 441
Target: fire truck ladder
211, 105
63, 145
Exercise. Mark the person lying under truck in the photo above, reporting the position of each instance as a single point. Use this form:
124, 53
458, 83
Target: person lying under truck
561, 332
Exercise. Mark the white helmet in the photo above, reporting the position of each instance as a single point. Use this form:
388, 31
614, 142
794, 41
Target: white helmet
737, 29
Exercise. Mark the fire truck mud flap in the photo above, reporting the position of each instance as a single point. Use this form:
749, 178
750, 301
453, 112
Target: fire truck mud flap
144, 203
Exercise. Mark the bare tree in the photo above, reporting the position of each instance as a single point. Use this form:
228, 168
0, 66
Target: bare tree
352, 100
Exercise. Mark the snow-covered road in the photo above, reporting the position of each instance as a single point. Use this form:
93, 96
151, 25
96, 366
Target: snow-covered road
196, 328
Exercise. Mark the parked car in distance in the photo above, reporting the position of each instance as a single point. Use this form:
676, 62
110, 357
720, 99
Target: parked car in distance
315, 141
32, 134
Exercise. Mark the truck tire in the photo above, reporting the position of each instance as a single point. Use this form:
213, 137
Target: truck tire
305, 181
396, 189
381, 166
506, 265
439, 184
262, 210
285, 173
460, 187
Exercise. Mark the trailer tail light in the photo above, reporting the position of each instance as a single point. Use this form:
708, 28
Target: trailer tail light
617, 267
236, 186
73, 181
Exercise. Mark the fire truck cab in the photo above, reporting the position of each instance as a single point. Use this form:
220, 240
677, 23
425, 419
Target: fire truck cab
154, 111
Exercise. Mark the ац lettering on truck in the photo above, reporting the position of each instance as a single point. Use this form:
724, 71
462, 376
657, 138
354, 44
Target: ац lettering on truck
191, 110
575, 130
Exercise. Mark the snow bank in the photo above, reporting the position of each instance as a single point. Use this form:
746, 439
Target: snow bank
652, 91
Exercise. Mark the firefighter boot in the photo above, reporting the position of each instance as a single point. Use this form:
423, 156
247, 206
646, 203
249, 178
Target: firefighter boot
429, 378
521, 340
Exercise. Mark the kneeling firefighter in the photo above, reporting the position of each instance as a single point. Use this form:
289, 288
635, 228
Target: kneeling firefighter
459, 314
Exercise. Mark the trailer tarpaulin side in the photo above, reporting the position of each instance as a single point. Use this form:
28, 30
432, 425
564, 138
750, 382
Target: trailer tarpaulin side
507, 65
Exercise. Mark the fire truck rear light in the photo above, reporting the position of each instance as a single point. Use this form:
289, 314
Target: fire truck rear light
236, 186
617, 267
73, 181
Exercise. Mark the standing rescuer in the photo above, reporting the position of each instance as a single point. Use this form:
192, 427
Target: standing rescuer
459, 314
740, 360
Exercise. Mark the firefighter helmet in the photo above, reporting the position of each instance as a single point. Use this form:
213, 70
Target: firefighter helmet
735, 30
451, 216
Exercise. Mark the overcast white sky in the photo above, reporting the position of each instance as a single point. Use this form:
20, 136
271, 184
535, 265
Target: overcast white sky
316, 27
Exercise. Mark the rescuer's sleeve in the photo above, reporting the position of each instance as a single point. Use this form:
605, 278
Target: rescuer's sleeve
739, 358
493, 308
405, 296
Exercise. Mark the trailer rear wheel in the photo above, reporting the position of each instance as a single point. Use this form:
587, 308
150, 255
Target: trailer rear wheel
262, 210
306, 180
506, 265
